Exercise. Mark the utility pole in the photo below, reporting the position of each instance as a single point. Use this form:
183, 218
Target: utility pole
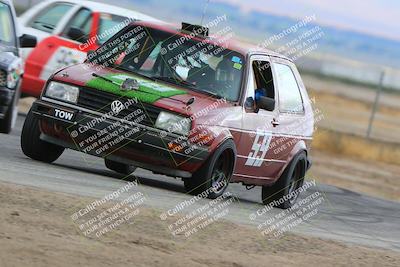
376, 104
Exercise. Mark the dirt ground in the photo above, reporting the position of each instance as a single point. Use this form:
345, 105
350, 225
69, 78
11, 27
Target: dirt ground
372, 178
347, 108
37, 230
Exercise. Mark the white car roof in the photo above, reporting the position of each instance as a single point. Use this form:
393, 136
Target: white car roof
8, 2
106, 8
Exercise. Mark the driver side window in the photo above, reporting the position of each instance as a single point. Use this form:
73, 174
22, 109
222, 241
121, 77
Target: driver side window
263, 78
260, 83
82, 20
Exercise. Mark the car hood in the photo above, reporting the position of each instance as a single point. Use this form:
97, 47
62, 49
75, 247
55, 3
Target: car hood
157, 93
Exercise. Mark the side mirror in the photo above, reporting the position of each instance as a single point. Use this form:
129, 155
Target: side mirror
27, 41
266, 103
249, 103
76, 34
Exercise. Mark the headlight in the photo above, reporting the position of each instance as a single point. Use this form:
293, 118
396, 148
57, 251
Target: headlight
3, 78
8, 79
12, 79
173, 123
10, 76
62, 92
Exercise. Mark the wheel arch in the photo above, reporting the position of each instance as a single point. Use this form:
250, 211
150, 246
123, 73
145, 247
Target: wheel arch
296, 150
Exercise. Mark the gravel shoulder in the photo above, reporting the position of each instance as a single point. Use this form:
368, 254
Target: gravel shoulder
37, 230
376, 179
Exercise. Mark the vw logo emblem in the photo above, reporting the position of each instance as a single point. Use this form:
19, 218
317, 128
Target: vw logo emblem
117, 107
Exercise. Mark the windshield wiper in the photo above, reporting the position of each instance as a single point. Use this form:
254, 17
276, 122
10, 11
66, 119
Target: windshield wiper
105, 79
206, 92
172, 80
183, 82
134, 72
45, 25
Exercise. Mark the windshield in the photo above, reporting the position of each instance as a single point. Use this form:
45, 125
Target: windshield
48, 19
6, 26
196, 64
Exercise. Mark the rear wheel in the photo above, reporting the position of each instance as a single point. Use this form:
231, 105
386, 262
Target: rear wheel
33, 146
119, 167
214, 176
283, 192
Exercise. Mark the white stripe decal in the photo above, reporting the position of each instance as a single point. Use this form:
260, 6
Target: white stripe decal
250, 176
273, 134
270, 160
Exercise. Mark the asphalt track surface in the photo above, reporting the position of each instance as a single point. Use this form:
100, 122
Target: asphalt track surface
343, 215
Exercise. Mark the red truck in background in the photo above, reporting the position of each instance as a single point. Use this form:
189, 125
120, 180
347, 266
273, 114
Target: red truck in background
66, 31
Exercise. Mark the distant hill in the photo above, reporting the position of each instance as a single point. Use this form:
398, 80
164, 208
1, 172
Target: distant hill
258, 26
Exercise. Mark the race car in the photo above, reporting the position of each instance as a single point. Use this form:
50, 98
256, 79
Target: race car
66, 31
179, 102
11, 67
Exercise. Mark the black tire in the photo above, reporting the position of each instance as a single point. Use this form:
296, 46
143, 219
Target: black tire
7, 123
214, 176
119, 167
291, 179
33, 146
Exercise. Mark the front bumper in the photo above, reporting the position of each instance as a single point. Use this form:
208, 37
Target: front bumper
6, 97
133, 143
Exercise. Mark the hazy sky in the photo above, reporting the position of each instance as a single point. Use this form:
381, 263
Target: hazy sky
378, 17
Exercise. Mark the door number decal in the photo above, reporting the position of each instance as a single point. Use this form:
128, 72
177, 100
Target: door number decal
259, 149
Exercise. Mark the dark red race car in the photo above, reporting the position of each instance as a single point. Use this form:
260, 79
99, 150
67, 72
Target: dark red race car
178, 102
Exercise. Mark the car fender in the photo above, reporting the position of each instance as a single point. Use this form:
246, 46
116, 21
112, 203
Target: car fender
298, 148
220, 135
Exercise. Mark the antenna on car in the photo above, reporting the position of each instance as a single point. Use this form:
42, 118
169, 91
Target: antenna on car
204, 12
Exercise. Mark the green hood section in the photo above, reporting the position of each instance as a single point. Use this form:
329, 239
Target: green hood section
149, 91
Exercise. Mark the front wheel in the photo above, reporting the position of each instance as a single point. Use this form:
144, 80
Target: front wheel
214, 176
33, 146
283, 193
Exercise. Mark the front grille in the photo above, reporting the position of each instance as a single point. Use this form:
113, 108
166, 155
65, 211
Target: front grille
3, 78
101, 102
